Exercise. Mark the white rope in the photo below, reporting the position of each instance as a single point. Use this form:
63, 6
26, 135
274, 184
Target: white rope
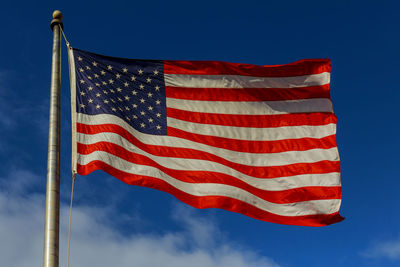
73, 176
65, 38
70, 216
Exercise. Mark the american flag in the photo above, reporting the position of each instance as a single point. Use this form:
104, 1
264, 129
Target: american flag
257, 140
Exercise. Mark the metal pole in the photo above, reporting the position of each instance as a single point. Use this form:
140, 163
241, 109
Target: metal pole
51, 228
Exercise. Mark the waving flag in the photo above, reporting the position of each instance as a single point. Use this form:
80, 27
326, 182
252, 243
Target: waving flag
258, 140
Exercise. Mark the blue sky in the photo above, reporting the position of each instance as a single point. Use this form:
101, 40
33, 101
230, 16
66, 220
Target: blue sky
121, 225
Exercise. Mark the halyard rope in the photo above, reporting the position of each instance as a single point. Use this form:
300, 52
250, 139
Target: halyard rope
70, 216
73, 179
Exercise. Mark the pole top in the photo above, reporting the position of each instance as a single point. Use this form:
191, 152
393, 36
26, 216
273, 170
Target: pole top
57, 19
57, 15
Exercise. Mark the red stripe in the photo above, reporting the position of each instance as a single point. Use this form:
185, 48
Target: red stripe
257, 121
298, 68
247, 94
255, 171
221, 202
284, 196
277, 146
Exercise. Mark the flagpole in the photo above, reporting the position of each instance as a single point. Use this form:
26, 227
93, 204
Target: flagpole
51, 228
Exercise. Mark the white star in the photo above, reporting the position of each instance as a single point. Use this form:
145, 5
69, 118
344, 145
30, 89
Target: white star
94, 63
142, 125
97, 84
114, 109
97, 106
155, 72
81, 70
111, 81
133, 78
87, 67
134, 116
112, 100
119, 89
118, 75
134, 92
127, 108
120, 99
126, 84
96, 75
158, 127
106, 101
120, 109
148, 80
105, 92
82, 105
109, 67
150, 108
98, 95
90, 100
151, 120
112, 91
142, 113
140, 72
90, 88
104, 83
127, 98
79, 58
158, 102
134, 105
158, 115
103, 72
141, 86
157, 88
83, 93
89, 77
142, 100
149, 95
127, 118
82, 81
125, 70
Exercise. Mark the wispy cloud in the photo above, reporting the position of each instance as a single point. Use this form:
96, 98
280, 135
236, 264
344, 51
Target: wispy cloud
95, 242
16, 109
3, 77
19, 182
5, 119
389, 249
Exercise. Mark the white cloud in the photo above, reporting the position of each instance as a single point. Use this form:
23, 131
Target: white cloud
389, 249
96, 242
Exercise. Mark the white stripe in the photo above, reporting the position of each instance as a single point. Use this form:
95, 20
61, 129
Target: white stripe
254, 134
255, 159
238, 81
211, 189
272, 184
253, 108
72, 83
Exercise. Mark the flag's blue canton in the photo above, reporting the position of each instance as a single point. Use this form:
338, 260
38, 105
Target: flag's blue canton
130, 89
